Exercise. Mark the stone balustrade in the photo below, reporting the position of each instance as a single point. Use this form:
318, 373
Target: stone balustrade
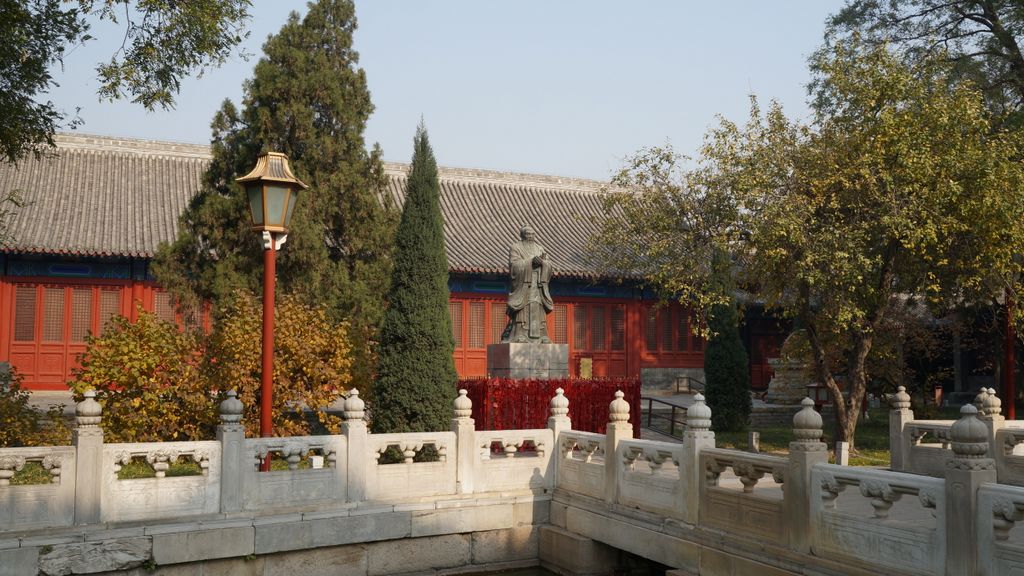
670, 502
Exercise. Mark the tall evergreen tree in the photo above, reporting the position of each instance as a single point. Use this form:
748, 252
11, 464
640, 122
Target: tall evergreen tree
416, 375
308, 99
726, 370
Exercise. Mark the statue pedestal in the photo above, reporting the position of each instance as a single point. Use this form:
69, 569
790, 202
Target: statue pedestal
789, 383
528, 360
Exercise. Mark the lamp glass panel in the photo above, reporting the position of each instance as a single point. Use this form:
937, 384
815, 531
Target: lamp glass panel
255, 192
277, 204
292, 198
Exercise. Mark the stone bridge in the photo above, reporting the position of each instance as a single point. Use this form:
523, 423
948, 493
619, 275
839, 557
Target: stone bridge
573, 502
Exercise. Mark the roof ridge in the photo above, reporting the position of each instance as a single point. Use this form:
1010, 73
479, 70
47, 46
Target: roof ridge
138, 146
567, 183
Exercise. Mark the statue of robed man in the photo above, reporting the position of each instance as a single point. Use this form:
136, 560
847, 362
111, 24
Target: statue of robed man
529, 300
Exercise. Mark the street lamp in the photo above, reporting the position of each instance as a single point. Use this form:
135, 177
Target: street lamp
272, 190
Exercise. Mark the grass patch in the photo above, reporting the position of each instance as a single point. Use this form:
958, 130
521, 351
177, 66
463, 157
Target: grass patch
32, 473
141, 469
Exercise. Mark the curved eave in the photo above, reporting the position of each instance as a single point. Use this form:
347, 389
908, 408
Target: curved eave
82, 252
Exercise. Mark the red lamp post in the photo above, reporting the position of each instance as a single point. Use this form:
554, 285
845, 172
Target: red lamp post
272, 190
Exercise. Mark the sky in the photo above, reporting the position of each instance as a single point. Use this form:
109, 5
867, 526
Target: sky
565, 88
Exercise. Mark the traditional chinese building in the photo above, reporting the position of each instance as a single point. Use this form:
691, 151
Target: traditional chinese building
99, 207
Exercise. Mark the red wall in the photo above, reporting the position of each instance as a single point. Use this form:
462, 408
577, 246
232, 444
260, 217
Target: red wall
620, 336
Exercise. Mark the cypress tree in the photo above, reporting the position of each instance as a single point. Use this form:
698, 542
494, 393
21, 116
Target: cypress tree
726, 370
308, 99
416, 373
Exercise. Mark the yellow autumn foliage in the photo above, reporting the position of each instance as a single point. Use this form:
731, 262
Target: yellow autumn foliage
312, 362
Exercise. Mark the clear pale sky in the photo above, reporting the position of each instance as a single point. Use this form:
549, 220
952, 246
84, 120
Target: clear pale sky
566, 88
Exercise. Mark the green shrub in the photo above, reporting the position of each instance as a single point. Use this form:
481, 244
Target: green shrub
22, 424
147, 377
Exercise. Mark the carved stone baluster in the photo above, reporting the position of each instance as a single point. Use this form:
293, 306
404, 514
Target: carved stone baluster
882, 496
928, 499
830, 489
9, 464
53, 463
748, 475
293, 453
409, 451
629, 457
160, 461
1004, 518
713, 469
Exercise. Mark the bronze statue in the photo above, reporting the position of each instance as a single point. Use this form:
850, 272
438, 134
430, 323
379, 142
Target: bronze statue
529, 300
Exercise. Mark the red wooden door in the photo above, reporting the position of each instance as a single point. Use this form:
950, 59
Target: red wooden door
50, 324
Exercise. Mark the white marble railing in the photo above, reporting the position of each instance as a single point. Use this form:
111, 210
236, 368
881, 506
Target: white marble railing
878, 519
42, 505
581, 464
749, 501
409, 478
1000, 546
1008, 451
161, 496
511, 459
295, 486
650, 476
929, 446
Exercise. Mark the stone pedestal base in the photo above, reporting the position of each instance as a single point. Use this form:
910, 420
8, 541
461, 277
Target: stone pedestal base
788, 384
528, 360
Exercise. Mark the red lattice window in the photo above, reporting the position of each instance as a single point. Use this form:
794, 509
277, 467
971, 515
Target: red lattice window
618, 328
651, 330
579, 327
498, 321
455, 309
560, 333
81, 313
477, 324
53, 314
666, 329
25, 314
162, 306
684, 332
597, 328
110, 305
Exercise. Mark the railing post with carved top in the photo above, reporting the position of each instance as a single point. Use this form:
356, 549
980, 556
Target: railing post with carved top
991, 413
805, 452
87, 438
696, 437
465, 442
558, 422
899, 444
356, 437
618, 429
969, 468
231, 435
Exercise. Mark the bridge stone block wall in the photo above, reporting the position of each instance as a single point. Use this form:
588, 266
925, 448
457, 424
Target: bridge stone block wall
572, 501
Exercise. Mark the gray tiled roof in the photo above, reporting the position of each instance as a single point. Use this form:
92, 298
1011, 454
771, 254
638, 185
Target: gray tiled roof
102, 196
121, 197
